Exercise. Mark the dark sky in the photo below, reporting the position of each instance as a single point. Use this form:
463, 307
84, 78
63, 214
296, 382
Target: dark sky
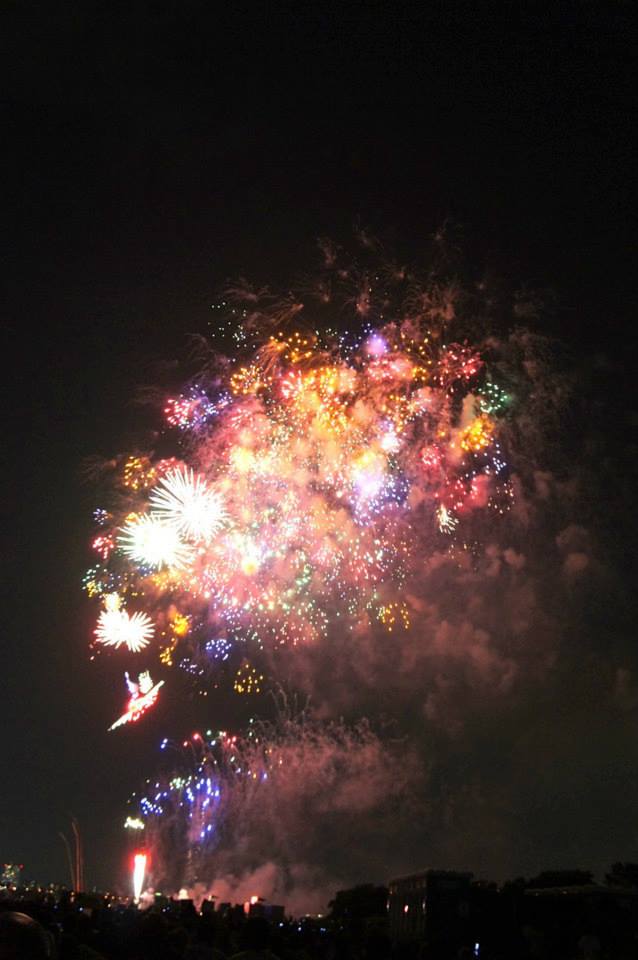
151, 150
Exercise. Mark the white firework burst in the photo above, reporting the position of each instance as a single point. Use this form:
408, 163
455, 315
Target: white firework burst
447, 521
185, 501
117, 628
150, 541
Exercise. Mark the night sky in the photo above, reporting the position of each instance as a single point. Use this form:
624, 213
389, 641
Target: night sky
152, 150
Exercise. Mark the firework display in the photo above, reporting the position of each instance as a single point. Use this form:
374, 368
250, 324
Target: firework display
321, 518
139, 871
220, 794
143, 695
116, 627
313, 470
194, 799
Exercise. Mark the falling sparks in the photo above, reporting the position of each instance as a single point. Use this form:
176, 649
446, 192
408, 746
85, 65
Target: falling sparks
447, 521
193, 409
133, 823
478, 436
103, 545
247, 679
219, 649
138, 473
394, 614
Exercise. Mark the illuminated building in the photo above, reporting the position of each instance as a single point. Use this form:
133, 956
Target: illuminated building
432, 907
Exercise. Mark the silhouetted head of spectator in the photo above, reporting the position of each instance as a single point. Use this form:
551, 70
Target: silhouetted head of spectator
149, 935
22, 938
256, 933
378, 946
